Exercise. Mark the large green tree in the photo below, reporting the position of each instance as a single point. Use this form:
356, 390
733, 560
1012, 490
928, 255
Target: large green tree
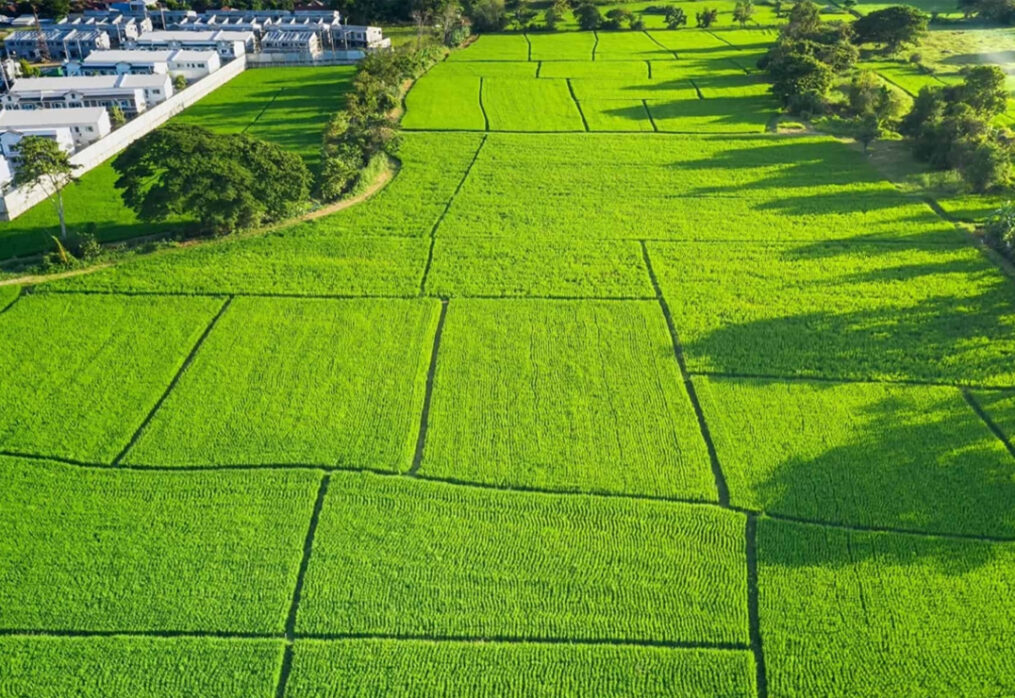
226, 182
42, 163
893, 27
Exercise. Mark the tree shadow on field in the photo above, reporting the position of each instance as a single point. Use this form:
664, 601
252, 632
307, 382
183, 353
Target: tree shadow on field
917, 459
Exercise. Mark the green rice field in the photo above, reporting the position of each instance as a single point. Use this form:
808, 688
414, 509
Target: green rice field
613, 390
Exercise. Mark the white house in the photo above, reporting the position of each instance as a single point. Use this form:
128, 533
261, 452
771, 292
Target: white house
85, 124
6, 173
132, 93
228, 44
350, 36
301, 43
9, 141
62, 43
193, 65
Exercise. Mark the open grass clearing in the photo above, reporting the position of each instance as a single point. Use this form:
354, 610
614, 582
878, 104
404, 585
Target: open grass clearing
415, 558
287, 381
563, 395
107, 550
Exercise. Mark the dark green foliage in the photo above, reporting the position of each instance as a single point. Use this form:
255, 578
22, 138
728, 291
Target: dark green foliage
675, 17
893, 27
951, 128
799, 81
706, 18
368, 126
488, 15
588, 17
616, 18
225, 181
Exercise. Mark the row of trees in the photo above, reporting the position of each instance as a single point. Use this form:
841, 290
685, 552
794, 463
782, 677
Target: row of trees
498, 15
368, 126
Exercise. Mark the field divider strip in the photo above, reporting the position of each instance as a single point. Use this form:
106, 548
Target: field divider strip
649, 64
648, 112
753, 615
447, 207
991, 424
290, 623
539, 68
696, 88
660, 45
529, 42
780, 378
176, 379
595, 46
486, 118
263, 109
722, 489
721, 39
424, 417
395, 637
21, 292
578, 106
523, 489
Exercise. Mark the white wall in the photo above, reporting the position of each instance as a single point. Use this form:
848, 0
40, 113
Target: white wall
17, 201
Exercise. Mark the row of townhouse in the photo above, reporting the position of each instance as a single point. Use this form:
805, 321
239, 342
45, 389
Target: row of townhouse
132, 93
193, 65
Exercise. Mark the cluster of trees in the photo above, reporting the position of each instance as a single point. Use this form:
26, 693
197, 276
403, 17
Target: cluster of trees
998, 11
368, 126
952, 127
810, 54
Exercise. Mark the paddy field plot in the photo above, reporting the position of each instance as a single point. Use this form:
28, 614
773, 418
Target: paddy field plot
500, 669
894, 456
860, 614
495, 47
562, 395
503, 267
423, 559
129, 667
99, 364
329, 382
530, 105
127, 551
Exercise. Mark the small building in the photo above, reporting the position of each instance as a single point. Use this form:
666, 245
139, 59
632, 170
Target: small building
121, 63
193, 65
227, 44
131, 93
85, 125
62, 43
351, 36
301, 43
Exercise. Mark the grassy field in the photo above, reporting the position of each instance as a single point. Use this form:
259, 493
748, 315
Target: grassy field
611, 391
288, 106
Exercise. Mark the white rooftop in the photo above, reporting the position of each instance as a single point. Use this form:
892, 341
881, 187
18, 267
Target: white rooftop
121, 56
90, 82
14, 119
192, 55
185, 36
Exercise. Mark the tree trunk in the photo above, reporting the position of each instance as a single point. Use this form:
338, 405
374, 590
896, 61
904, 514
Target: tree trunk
59, 212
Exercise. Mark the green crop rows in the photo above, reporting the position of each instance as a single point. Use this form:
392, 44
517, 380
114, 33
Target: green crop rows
611, 390
472, 563
573, 395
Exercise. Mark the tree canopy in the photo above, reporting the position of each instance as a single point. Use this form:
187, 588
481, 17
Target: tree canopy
224, 181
